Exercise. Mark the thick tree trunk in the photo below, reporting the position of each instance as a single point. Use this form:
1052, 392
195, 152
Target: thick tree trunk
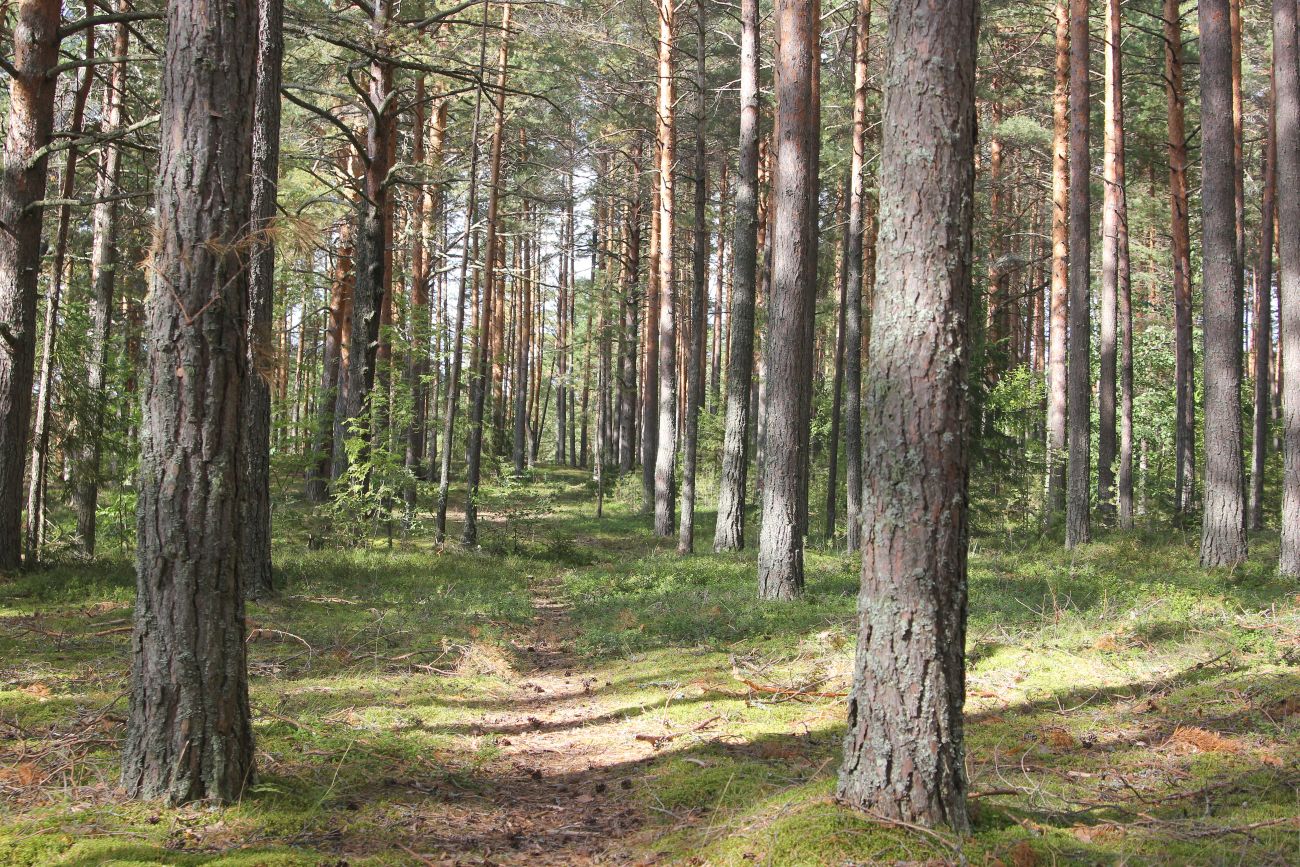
791, 305
189, 735
729, 533
1223, 530
1184, 386
1080, 415
255, 486
666, 451
1059, 304
1262, 324
904, 751
1238, 145
22, 187
1286, 98
698, 315
480, 380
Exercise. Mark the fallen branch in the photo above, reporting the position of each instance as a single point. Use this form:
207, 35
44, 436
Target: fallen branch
659, 740
790, 693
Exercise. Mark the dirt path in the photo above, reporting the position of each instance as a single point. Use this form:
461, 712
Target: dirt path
563, 788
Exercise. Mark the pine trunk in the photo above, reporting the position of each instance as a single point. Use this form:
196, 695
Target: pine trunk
1262, 324
1286, 108
791, 304
904, 750
189, 735
1060, 303
1223, 530
729, 533
22, 187
255, 487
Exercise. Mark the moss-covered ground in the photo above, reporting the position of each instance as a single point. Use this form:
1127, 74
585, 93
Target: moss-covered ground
574, 692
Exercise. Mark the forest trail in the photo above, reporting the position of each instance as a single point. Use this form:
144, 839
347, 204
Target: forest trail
572, 750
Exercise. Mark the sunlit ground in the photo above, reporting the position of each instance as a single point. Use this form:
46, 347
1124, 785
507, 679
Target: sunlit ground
575, 692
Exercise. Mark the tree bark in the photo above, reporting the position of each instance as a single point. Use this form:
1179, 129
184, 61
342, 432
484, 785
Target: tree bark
1112, 216
631, 305
1184, 386
22, 187
332, 367
853, 264
523, 328
719, 293
729, 532
904, 751
698, 314
666, 450
424, 209
61, 276
1080, 416
1059, 304
372, 261
837, 374
255, 487
1287, 132
1262, 324
791, 303
189, 735
1223, 529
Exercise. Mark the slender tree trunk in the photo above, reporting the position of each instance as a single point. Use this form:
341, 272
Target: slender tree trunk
837, 375
423, 208
1185, 411
631, 305
524, 327
255, 486
451, 400
853, 265
729, 534
1056, 373
904, 751
1107, 387
1079, 421
1125, 290
716, 338
370, 299
791, 304
22, 187
189, 735
332, 372
480, 382
60, 276
666, 451
1262, 324
1286, 101
563, 332
1223, 530
699, 280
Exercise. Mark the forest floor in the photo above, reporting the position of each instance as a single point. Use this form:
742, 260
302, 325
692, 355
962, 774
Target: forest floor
574, 693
